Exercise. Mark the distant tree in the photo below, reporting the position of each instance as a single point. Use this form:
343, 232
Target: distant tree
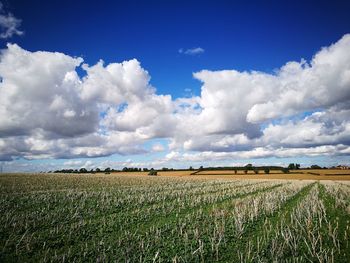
125, 169
82, 170
249, 166
245, 171
145, 169
235, 171
315, 166
165, 169
191, 168
256, 171
291, 166
98, 170
267, 170
107, 170
201, 168
297, 166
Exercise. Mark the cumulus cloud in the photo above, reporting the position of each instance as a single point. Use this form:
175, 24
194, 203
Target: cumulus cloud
321, 128
237, 106
9, 24
300, 86
39, 91
192, 51
259, 152
48, 111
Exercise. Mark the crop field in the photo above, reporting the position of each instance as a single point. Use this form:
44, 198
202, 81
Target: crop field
137, 218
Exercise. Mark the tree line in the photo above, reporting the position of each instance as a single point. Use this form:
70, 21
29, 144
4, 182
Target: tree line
246, 168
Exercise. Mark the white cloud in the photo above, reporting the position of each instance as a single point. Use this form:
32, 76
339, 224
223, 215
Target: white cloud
40, 90
192, 51
9, 24
48, 111
299, 86
259, 152
235, 104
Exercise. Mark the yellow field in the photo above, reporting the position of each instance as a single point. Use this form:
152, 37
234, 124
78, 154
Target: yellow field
302, 174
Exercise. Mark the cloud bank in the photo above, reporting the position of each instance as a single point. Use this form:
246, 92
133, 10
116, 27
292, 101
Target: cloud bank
48, 111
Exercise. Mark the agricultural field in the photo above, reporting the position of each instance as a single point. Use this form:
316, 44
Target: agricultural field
138, 218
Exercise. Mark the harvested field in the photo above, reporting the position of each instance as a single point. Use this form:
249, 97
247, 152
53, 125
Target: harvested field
307, 174
131, 217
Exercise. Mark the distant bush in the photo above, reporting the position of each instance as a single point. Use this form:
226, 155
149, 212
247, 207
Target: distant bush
152, 173
285, 170
267, 170
235, 171
245, 171
315, 166
256, 171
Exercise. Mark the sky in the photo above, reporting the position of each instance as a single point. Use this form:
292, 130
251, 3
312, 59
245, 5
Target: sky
173, 84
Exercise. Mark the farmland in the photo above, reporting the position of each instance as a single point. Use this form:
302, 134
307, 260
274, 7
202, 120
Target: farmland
173, 218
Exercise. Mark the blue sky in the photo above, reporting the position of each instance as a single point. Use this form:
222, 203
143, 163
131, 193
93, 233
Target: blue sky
232, 35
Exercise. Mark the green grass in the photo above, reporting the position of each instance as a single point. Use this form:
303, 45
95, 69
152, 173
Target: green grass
256, 229
341, 219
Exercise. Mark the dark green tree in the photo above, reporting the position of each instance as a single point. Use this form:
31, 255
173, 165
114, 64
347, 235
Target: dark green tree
82, 170
249, 166
315, 166
291, 166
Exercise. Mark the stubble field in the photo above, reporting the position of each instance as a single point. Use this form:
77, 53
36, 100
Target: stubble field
173, 218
